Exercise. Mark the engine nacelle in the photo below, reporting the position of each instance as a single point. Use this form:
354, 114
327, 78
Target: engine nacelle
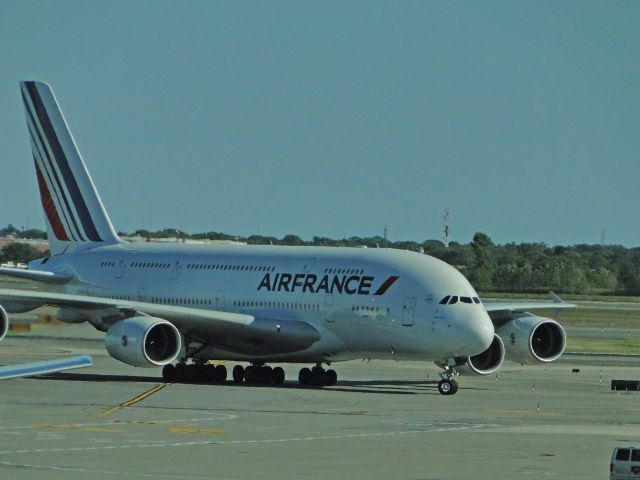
144, 341
486, 362
530, 339
4, 322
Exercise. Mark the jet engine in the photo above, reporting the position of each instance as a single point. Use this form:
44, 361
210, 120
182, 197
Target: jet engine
530, 339
4, 322
144, 341
486, 362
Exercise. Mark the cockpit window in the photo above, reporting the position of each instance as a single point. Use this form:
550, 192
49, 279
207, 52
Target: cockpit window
476, 300
445, 300
453, 300
466, 300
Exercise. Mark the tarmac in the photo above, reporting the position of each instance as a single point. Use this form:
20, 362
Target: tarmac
382, 420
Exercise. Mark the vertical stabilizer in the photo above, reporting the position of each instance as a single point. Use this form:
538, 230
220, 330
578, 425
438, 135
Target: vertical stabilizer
73, 210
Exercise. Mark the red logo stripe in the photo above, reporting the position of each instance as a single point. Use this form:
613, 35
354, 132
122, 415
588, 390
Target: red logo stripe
50, 207
385, 286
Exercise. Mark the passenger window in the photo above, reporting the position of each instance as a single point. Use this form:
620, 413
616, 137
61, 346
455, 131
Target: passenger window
623, 455
453, 300
445, 300
465, 299
635, 455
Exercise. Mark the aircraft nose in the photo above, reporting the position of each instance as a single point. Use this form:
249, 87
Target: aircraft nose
480, 332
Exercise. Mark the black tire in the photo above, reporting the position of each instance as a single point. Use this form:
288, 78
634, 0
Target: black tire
265, 374
209, 373
455, 387
221, 374
251, 374
330, 378
304, 377
277, 376
447, 387
182, 373
317, 377
168, 373
238, 374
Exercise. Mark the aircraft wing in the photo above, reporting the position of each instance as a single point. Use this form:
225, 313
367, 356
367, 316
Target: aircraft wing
40, 368
35, 275
503, 311
226, 329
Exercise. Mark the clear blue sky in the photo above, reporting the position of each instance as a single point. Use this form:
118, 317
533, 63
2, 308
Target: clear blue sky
335, 118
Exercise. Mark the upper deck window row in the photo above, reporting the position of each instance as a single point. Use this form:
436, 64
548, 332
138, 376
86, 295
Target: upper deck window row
344, 271
245, 268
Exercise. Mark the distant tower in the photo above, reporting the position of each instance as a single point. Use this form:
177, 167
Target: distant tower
446, 218
386, 237
603, 237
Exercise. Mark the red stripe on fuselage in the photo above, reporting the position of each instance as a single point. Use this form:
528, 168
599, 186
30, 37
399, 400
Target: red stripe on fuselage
385, 286
50, 207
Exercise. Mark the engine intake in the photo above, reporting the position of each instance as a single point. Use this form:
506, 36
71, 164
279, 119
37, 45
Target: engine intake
530, 339
144, 341
486, 362
4, 322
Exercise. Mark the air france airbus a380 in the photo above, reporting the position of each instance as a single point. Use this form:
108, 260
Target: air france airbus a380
179, 306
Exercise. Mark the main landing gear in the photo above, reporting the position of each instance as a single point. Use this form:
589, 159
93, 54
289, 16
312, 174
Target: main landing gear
258, 374
194, 373
317, 377
254, 374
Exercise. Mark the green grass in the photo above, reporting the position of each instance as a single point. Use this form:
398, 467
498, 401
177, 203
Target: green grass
624, 346
597, 317
587, 297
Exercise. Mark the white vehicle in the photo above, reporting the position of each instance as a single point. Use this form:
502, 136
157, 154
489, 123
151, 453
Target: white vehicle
625, 463
165, 303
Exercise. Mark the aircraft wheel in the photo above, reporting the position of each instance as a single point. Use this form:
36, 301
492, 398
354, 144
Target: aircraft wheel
447, 386
277, 376
238, 373
182, 373
251, 374
208, 373
168, 373
304, 377
221, 374
317, 377
330, 378
265, 374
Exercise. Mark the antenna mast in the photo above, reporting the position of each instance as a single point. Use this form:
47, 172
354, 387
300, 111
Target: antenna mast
446, 218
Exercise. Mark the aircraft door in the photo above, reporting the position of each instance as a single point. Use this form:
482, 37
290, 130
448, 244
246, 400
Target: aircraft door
220, 300
142, 295
408, 311
328, 308
176, 270
119, 273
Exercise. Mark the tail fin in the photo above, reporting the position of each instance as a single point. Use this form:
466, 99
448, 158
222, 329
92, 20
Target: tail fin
73, 210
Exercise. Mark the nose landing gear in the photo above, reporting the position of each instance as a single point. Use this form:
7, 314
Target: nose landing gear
448, 386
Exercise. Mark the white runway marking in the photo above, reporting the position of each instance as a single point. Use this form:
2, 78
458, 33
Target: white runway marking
245, 442
93, 472
222, 416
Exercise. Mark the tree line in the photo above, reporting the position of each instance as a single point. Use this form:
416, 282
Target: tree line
509, 268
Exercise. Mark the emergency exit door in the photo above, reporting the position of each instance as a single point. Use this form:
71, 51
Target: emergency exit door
408, 311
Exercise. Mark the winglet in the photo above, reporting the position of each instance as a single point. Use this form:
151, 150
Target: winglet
555, 298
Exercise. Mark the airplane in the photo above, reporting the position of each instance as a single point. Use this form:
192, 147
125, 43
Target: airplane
180, 306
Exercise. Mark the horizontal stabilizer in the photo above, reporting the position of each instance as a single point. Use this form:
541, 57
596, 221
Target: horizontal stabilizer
35, 275
40, 368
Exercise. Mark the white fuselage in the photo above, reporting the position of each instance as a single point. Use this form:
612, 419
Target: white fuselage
366, 303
